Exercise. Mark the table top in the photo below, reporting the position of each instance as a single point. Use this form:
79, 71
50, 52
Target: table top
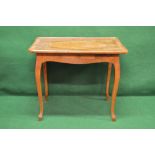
78, 45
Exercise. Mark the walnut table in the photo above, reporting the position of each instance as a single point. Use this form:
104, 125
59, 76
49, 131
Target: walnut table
77, 50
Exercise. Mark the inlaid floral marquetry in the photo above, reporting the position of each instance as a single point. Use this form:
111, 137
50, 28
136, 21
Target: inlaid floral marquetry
78, 50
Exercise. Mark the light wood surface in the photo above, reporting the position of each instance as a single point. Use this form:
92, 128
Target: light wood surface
78, 51
88, 45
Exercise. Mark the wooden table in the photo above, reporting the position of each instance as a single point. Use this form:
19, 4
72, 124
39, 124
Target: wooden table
77, 50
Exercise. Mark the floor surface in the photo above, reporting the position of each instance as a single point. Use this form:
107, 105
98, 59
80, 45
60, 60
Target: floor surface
77, 112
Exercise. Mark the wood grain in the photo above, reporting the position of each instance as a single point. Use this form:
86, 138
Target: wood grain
76, 58
115, 87
77, 51
39, 88
88, 45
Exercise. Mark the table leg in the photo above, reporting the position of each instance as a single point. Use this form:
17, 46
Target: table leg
45, 81
108, 80
115, 87
39, 89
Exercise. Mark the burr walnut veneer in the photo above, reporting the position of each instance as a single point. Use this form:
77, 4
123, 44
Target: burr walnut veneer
78, 50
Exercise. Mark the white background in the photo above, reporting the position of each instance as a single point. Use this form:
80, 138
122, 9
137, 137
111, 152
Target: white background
77, 142
77, 13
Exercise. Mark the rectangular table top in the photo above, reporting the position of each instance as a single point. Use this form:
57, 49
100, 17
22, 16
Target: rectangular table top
78, 45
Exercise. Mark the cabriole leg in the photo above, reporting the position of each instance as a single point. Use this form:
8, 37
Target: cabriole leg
38, 83
115, 87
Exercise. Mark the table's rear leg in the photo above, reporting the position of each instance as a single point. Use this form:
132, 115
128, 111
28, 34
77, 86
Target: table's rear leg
108, 80
115, 87
45, 80
39, 89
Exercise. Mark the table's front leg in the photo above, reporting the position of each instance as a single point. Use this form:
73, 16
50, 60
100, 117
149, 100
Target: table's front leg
38, 83
115, 87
